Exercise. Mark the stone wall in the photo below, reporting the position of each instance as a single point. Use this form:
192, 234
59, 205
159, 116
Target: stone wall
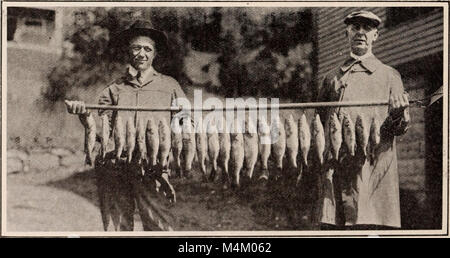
41, 159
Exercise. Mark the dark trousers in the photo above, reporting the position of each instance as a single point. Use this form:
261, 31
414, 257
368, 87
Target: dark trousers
121, 189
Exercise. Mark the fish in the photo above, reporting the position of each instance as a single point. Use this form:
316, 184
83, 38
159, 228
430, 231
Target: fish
304, 138
164, 142
292, 143
188, 151
119, 137
237, 152
278, 135
131, 138
264, 143
250, 147
335, 128
349, 134
177, 143
89, 140
224, 154
319, 138
213, 147
362, 133
106, 130
140, 141
152, 141
201, 141
374, 138
374, 132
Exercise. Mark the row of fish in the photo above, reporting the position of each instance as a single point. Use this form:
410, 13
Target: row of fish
236, 151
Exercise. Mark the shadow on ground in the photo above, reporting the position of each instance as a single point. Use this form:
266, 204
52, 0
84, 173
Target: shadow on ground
205, 206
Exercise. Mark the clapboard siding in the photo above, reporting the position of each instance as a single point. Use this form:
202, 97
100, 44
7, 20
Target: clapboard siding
404, 34
396, 45
405, 49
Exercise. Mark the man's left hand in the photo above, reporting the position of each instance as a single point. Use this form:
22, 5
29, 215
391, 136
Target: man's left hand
167, 188
397, 104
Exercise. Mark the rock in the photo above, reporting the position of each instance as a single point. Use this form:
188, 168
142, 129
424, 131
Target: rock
26, 166
13, 153
43, 161
38, 150
74, 159
61, 152
14, 165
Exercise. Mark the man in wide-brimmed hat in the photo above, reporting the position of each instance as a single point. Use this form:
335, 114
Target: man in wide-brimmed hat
361, 190
123, 185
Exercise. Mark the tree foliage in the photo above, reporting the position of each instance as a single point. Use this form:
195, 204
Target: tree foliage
263, 51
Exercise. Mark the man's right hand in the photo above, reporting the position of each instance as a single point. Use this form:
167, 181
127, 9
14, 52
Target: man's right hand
76, 107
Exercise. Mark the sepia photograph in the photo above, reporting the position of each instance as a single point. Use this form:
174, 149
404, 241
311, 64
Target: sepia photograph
224, 119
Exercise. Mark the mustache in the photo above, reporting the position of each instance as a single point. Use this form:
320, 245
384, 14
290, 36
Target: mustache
140, 59
360, 37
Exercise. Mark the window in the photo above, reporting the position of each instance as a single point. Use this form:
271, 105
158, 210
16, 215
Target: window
30, 25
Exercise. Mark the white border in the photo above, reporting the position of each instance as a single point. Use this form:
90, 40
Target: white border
393, 233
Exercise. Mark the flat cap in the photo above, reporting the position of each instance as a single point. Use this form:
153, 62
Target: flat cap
363, 15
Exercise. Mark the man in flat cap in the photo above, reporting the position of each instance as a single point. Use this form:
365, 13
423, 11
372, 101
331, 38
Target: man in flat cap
122, 185
361, 189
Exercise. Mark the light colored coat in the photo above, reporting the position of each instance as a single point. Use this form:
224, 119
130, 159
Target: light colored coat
356, 191
156, 90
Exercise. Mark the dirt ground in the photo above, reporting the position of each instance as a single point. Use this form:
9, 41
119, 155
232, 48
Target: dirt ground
66, 200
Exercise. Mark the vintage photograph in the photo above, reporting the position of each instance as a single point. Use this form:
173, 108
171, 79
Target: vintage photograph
261, 118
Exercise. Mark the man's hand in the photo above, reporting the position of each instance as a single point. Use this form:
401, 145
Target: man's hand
167, 188
76, 107
397, 105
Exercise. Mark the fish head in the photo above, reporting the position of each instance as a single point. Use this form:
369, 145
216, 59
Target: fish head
212, 127
347, 121
201, 125
334, 123
302, 121
263, 127
151, 126
289, 124
187, 127
374, 128
359, 120
250, 128
316, 121
175, 125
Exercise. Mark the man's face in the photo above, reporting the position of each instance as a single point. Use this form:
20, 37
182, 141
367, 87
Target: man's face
361, 36
142, 52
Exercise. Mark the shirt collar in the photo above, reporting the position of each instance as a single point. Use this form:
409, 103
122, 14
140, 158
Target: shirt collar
361, 58
368, 61
146, 76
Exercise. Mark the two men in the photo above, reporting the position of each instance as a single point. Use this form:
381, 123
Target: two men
122, 186
357, 191
362, 191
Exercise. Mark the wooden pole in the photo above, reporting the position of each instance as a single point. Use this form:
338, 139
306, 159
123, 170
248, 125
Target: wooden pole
254, 107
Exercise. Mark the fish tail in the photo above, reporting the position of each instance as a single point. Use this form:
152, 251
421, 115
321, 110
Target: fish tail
305, 160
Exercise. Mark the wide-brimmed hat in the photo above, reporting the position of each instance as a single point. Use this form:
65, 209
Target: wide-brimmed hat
363, 15
141, 28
